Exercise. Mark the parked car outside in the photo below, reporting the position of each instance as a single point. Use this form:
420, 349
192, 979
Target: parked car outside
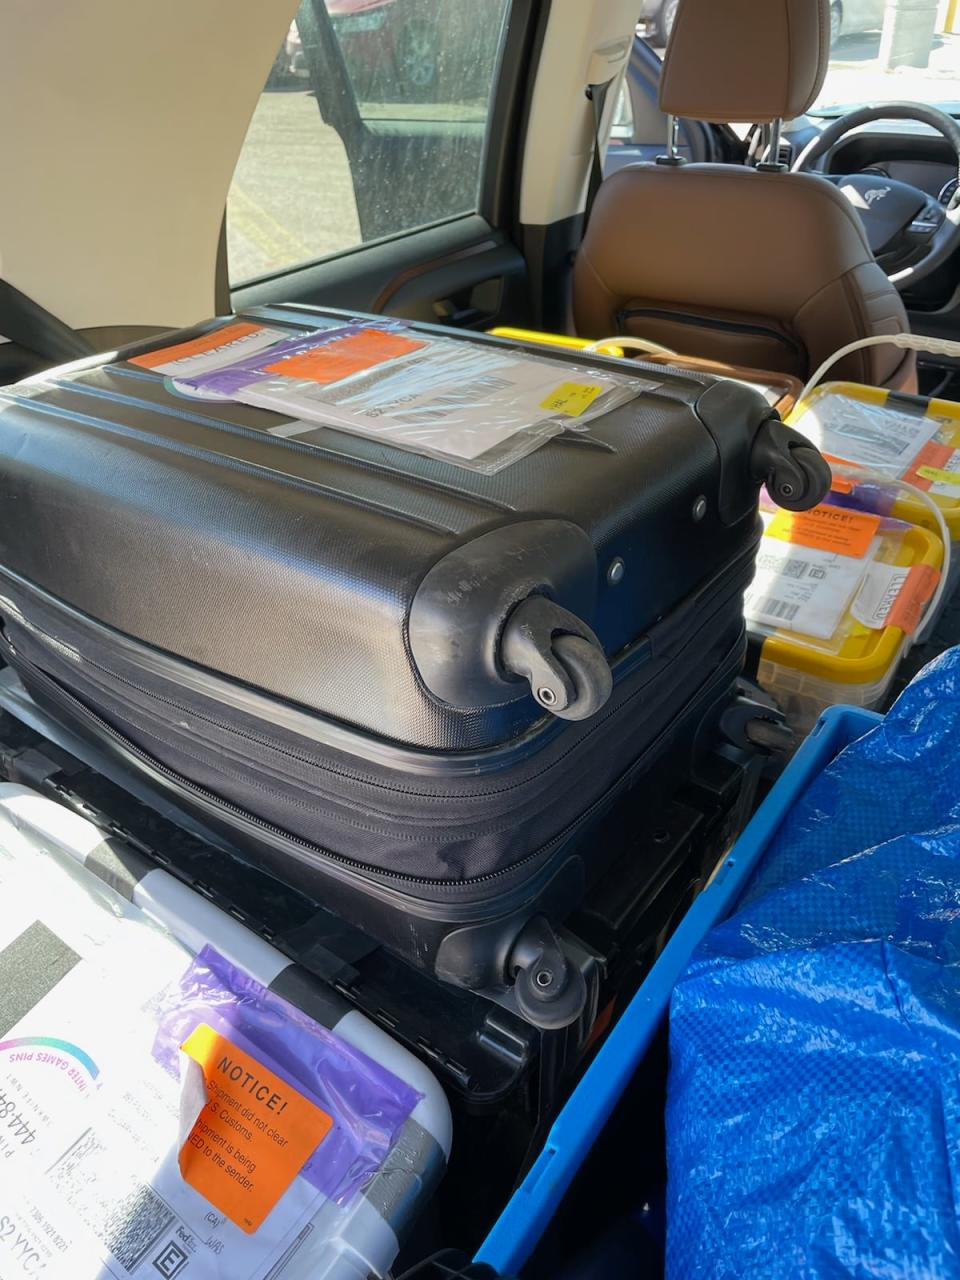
437, 50
431, 50
852, 17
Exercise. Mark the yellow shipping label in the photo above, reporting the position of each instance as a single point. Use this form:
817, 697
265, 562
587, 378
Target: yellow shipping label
571, 398
936, 475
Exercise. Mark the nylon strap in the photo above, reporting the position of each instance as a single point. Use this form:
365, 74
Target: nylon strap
29, 325
597, 96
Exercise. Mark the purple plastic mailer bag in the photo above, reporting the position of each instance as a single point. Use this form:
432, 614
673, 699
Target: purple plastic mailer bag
368, 1103
262, 365
230, 379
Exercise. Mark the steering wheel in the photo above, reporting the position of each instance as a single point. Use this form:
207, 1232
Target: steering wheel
911, 234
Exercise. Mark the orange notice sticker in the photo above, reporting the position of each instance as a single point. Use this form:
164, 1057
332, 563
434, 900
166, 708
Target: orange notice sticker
252, 1137
197, 346
346, 356
932, 456
833, 529
914, 594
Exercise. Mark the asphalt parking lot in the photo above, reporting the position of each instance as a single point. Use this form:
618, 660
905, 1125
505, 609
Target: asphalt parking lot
292, 196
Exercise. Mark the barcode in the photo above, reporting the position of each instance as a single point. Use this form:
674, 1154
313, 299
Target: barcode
782, 610
127, 1220
784, 568
456, 398
135, 1226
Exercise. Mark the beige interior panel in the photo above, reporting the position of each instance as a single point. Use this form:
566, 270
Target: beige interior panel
581, 37
122, 125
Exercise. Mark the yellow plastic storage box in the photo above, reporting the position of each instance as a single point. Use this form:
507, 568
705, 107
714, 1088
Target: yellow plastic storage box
850, 422
561, 340
872, 601
779, 389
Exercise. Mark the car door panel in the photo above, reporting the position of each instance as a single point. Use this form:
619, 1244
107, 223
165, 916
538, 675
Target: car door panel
462, 273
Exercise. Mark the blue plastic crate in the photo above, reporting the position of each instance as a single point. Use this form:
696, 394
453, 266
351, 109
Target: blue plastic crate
528, 1212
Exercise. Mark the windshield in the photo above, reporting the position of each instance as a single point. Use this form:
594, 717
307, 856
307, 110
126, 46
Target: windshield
892, 52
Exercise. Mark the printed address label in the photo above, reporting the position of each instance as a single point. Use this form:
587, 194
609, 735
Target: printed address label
796, 589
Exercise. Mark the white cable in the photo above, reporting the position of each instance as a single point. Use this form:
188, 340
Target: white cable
931, 611
629, 344
905, 341
934, 605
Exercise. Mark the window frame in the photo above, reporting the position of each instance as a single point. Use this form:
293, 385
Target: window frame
498, 157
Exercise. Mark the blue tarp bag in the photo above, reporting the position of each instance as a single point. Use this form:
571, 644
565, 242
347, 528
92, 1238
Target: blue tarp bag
813, 1118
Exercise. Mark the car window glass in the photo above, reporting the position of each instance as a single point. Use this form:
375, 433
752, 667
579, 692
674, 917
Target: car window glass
621, 126
372, 123
622, 119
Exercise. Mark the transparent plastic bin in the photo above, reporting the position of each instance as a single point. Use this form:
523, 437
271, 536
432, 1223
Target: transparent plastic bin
803, 697
856, 664
941, 452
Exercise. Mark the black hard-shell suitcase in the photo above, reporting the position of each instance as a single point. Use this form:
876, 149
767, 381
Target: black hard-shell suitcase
409, 688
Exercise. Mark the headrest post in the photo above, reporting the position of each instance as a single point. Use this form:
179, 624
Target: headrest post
673, 137
673, 157
770, 154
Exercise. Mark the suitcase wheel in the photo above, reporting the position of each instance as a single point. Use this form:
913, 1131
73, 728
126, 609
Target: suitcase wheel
551, 991
796, 475
559, 656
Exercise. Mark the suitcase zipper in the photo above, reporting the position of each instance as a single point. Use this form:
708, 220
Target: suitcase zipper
440, 797
354, 776
710, 322
243, 818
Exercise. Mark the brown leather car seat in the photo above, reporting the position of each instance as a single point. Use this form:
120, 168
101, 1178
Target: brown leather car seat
753, 267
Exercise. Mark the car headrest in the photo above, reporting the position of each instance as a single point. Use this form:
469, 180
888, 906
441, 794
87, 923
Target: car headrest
745, 60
